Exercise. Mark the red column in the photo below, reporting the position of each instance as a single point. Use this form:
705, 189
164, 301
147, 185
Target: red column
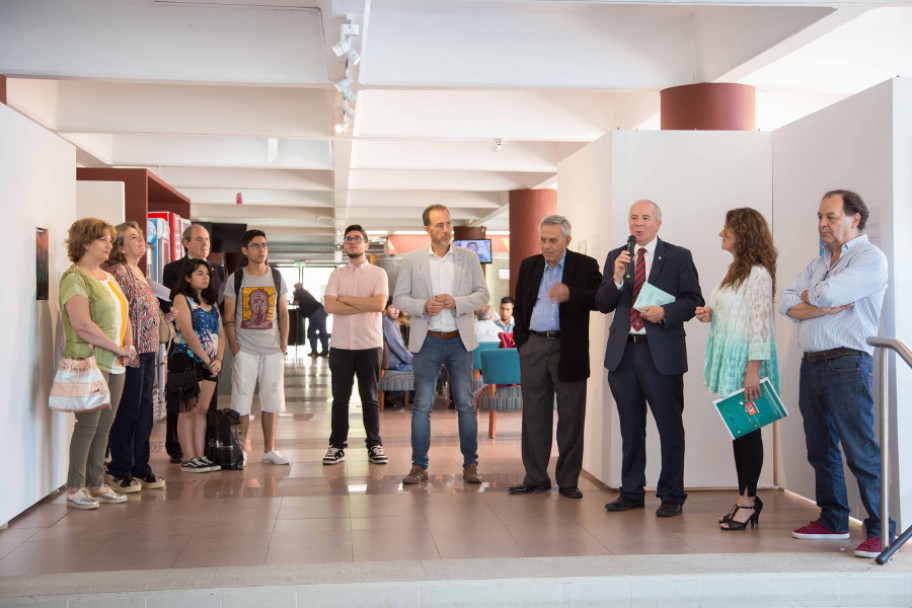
527, 208
709, 106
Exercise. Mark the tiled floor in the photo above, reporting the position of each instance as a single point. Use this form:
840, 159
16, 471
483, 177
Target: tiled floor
356, 511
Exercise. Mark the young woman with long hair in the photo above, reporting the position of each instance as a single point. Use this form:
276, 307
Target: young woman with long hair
742, 346
197, 348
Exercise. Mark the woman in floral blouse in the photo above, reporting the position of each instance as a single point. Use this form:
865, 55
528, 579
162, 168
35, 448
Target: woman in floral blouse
129, 440
742, 346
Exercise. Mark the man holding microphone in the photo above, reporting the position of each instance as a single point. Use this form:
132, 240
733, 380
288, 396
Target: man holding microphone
646, 356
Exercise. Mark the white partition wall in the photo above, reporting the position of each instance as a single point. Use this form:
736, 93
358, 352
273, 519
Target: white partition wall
38, 189
863, 143
104, 200
694, 177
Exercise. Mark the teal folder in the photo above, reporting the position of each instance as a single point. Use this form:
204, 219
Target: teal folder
741, 418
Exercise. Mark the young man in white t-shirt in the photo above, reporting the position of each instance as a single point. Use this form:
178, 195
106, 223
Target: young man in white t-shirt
256, 324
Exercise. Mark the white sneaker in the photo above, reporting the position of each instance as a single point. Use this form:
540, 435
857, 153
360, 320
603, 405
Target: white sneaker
274, 457
376, 455
334, 456
244, 463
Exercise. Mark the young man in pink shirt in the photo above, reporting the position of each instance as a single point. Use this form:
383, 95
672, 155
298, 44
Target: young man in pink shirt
356, 294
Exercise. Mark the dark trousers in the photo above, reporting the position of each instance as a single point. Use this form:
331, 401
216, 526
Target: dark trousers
172, 444
538, 364
635, 382
316, 328
345, 366
129, 438
748, 461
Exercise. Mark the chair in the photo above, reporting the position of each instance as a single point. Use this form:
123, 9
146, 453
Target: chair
391, 380
476, 357
500, 367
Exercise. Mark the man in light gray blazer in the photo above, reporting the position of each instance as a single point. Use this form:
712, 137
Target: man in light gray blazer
441, 287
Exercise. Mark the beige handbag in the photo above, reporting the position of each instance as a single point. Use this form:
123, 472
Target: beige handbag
166, 331
79, 386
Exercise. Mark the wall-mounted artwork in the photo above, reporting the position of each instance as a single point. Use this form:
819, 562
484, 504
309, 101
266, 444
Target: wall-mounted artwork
41, 263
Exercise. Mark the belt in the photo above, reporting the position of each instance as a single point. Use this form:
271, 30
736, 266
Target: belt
636, 338
548, 335
833, 353
446, 335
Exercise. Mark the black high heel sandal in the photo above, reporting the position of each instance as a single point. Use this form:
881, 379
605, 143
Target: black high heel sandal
753, 520
731, 514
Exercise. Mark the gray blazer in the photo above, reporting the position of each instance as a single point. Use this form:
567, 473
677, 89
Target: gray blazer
413, 290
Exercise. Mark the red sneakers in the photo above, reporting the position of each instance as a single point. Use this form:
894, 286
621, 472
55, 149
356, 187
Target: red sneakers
869, 548
815, 531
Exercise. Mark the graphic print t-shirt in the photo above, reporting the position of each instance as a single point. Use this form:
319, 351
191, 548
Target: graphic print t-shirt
255, 318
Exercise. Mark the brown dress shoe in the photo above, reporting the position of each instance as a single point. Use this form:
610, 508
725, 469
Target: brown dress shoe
416, 475
470, 473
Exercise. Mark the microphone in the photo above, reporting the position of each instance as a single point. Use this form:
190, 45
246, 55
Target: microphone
631, 245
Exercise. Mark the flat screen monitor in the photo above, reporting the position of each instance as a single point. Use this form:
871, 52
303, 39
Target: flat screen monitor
480, 246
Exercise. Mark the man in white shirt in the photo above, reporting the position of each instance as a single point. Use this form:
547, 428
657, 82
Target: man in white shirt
441, 287
486, 329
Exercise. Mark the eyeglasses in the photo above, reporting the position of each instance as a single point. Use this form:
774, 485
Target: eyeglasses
353, 239
258, 246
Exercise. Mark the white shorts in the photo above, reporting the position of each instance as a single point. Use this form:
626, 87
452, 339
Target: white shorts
269, 370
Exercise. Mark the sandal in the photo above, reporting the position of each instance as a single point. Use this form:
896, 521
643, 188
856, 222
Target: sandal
125, 485
150, 481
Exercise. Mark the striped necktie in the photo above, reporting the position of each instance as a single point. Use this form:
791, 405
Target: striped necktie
639, 276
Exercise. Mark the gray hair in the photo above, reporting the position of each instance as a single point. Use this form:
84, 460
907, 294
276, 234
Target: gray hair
656, 210
557, 220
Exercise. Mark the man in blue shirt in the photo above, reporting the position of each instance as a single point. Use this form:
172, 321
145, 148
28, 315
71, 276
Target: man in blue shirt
555, 291
836, 302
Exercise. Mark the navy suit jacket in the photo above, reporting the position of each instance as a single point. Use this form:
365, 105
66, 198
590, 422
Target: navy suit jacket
672, 271
581, 275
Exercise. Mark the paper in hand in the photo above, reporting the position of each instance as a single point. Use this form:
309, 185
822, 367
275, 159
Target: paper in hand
650, 295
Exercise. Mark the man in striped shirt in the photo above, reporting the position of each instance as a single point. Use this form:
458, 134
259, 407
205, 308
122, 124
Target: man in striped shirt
836, 302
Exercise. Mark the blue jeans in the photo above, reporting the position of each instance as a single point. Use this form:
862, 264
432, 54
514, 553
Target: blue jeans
129, 438
316, 326
436, 352
837, 404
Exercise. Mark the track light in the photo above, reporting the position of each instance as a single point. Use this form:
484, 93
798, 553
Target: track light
342, 47
347, 110
343, 84
348, 95
352, 56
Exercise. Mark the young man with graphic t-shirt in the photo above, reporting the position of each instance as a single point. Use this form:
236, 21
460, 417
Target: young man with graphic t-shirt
256, 324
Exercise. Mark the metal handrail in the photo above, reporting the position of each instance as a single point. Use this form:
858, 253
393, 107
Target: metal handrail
900, 348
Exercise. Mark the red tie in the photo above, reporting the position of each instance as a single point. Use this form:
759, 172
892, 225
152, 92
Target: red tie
639, 275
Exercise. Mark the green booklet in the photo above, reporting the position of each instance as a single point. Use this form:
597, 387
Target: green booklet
741, 418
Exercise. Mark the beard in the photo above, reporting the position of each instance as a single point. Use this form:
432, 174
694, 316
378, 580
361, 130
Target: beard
352, 256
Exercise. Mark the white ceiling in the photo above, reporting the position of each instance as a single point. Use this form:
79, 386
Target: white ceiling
458, 101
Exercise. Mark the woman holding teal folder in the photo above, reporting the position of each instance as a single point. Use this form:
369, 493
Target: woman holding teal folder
742, 346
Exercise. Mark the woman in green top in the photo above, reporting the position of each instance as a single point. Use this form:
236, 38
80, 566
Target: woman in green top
95, 322
742, 345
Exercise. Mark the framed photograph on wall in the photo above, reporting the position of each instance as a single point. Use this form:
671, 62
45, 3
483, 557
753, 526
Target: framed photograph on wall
41, 263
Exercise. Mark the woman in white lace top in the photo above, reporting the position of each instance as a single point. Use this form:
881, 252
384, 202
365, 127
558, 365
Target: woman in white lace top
742, 346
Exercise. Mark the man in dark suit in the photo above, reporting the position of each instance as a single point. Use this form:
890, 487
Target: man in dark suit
554, 293
646, 356
196, 245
